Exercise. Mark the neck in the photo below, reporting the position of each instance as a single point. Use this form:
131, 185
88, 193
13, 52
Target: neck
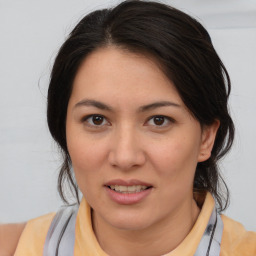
159, 239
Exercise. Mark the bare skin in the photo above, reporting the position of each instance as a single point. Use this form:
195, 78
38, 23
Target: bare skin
9, 237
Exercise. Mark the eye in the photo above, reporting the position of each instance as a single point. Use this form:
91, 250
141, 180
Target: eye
159, 121
95, 120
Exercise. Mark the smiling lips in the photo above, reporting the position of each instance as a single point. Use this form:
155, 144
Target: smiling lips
128, 189
127, 192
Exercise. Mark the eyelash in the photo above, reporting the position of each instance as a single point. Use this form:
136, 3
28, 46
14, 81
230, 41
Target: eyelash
90, 124
166, 119
87, 118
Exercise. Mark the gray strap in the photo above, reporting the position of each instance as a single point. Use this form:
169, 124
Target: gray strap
210, 242
60, 238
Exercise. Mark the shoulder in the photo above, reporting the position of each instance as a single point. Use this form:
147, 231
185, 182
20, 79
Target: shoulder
33, 236
9, 237
236, 240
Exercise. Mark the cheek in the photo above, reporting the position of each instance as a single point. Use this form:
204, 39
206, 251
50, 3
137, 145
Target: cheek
85, 162
83, 157
87, 157
85, 150
175, 157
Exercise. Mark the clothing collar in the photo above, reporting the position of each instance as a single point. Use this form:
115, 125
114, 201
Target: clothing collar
86, 240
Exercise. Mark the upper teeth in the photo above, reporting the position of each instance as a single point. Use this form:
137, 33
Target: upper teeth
128, 189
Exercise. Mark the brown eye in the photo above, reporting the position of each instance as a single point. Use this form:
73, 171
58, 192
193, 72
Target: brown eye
159, 120
97, 120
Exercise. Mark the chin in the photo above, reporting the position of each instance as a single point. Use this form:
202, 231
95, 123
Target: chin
129, 221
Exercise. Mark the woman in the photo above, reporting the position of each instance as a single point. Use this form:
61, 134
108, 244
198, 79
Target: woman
137, 103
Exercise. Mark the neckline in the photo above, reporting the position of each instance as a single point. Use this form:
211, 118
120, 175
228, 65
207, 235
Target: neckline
87, 241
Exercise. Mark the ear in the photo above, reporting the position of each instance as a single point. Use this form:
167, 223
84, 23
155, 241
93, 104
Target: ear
208, 137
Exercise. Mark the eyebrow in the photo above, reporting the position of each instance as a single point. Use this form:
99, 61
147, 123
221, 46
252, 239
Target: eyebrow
93, 103
158, 105
102, 106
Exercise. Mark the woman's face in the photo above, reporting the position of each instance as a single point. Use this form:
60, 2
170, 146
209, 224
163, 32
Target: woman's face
133, 144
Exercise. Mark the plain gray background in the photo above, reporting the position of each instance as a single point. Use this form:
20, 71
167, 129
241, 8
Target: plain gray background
31, 33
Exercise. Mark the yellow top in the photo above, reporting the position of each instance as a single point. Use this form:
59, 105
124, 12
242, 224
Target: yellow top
236, 241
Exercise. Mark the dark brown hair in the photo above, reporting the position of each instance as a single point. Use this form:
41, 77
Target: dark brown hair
184, 50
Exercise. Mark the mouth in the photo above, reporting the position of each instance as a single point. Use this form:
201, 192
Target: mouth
128, 189
128, 192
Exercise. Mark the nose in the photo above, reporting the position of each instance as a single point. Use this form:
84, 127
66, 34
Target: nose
126, 149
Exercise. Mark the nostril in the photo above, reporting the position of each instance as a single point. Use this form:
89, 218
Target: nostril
126, 159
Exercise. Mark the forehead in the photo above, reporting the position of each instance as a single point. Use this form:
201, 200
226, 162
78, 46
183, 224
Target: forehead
113, 72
